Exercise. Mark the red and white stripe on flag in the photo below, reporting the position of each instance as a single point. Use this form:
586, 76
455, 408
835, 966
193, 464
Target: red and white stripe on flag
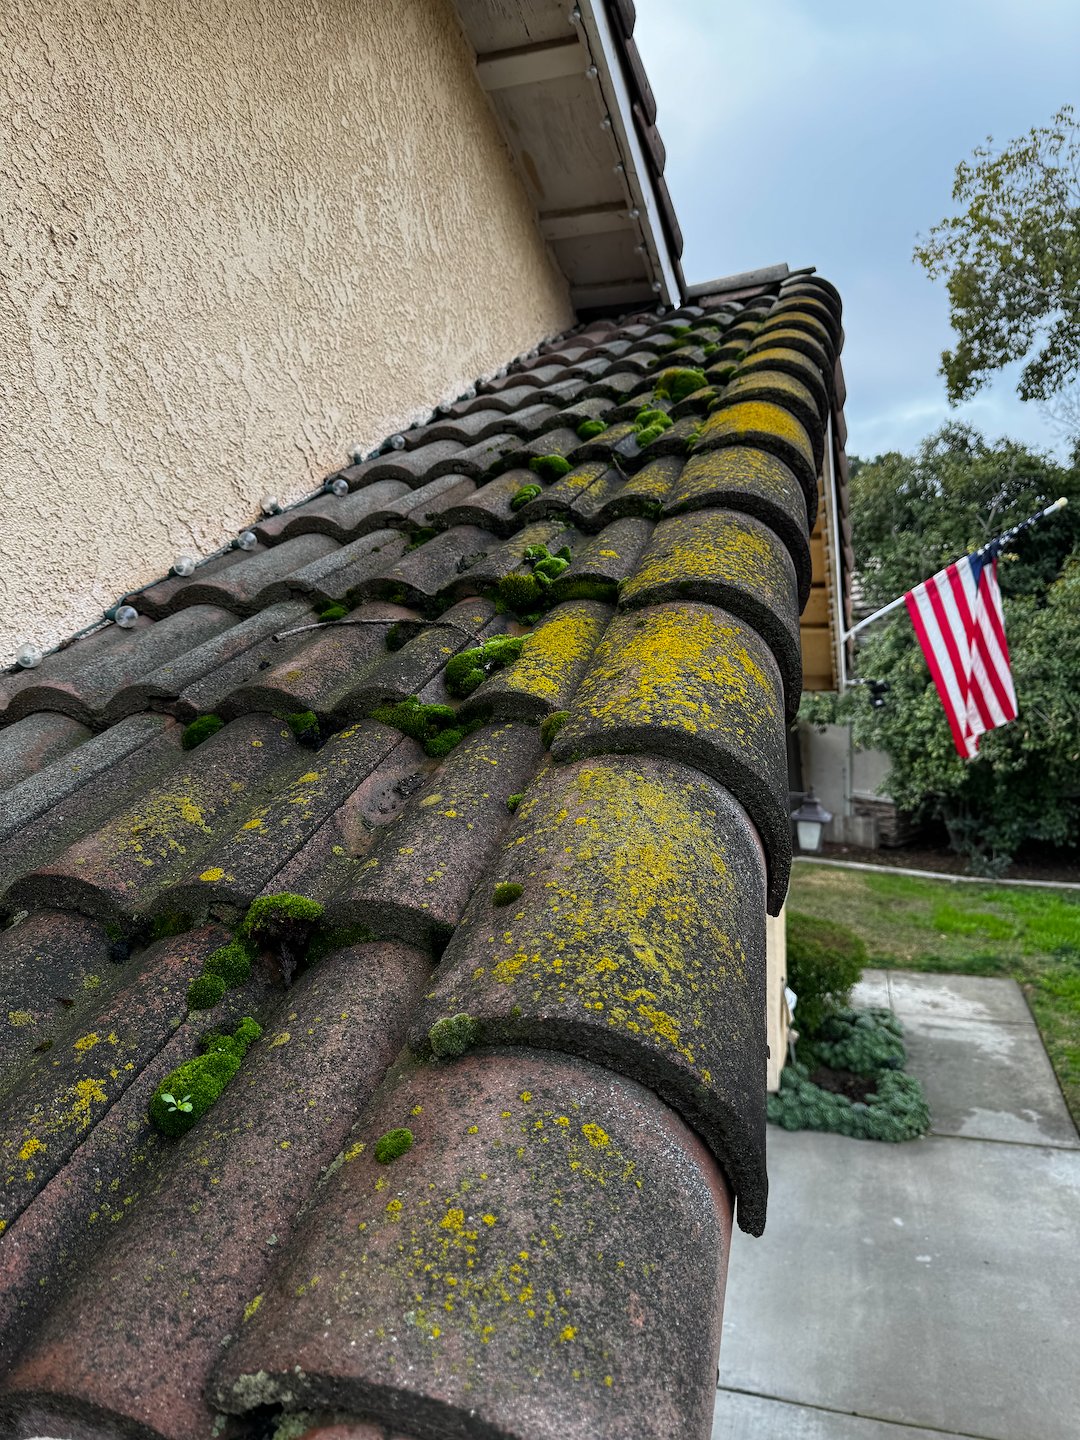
961, 627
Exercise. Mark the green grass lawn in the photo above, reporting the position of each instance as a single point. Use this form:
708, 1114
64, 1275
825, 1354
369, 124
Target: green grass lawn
1031, 935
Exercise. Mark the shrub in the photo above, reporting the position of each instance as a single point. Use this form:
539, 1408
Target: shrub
897, 1111
824, 961
862, 1041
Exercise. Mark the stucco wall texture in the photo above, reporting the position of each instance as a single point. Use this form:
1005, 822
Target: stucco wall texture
236, 238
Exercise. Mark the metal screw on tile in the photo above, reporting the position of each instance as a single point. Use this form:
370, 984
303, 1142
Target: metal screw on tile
184, 565
246, 540
397, 442
339, 487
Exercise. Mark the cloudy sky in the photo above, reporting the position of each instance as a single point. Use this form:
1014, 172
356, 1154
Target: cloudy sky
825, 132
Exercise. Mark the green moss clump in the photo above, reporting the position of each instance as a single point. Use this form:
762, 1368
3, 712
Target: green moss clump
675, 384
304, 724
552, 725
588, 589
271, 913
520, 592
441, 744
513, 801
506, 892
549, 467
649, 434
650, 424
200, 730
524, 495
392, 1145
205, 991
470, 668
709, 349
187, 1092
589, 429
433, 726
232, 963
824, 961
332, 612
551, 567
453, 1035
168, 923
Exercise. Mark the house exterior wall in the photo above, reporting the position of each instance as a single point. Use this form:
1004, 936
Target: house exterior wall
777, 1021
237, 240
849, 782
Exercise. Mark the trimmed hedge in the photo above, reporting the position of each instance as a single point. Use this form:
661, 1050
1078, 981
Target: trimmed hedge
824, 961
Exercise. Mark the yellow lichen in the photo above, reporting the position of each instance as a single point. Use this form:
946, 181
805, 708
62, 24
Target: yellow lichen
214, 873
555, 654
757, 417
709, 547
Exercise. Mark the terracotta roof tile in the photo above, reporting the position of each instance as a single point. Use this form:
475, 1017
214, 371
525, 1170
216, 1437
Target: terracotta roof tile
593, 1222
563, 843
343, 518
29, 745
81, 681
202, 1243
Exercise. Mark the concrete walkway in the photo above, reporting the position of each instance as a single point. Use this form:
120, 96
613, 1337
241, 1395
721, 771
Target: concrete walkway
906, 1292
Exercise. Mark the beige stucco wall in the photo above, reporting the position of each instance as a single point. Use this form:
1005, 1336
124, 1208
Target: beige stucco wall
236, 237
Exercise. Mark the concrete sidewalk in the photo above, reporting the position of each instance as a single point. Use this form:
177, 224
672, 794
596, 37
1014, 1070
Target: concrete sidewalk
905, 1292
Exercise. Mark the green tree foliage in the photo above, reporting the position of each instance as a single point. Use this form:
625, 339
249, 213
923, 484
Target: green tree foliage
1011, 262
911, 516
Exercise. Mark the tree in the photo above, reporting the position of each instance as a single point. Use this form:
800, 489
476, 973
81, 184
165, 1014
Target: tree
1011, 263
912, 515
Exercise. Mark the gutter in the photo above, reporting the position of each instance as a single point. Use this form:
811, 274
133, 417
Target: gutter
603, 47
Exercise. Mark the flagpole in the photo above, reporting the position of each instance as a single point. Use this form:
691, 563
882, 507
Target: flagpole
996, 546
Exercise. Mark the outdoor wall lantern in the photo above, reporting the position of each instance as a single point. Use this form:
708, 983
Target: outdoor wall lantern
810, 820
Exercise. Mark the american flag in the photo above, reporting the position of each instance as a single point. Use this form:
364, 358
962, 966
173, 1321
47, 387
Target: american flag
958, 618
